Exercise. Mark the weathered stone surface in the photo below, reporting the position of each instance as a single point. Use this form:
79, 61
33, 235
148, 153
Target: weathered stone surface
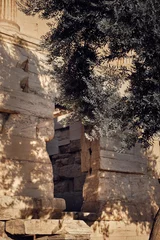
113, 161
122, 166
20, 148
25, 169
11, 78
120, 230
21, 125
27, 207
25, 103
47, 227
118, 196
26, 178
90, 154
2, 228
45, 129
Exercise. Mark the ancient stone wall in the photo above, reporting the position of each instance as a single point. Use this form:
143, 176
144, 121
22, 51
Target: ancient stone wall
27, 203
120, 191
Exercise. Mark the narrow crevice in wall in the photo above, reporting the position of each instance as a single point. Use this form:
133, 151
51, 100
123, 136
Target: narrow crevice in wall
65, 154
3, 118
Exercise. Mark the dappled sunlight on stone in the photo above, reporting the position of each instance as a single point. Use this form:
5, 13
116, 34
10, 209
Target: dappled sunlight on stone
26, 123
121, 188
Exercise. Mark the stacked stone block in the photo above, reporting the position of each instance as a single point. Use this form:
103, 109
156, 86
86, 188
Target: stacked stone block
65, 151
120, 190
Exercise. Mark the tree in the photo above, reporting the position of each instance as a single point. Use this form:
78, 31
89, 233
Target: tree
85, 26
74, 43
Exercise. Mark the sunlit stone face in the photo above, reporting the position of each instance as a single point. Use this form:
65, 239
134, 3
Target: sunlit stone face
26, 112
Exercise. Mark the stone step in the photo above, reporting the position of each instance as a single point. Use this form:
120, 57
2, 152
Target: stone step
57, 228
63, 237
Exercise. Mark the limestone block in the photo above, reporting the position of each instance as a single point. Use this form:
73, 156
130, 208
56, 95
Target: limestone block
25, 103
91, 186
25, 178
85, 161
14, 54
7, 54
11, 77
16, 147
120, 230
33, 67
2, 228
116, 210
45, 129
41, 84
90, 154
123, 156
137, 195
38, 191
19, 63
64, 237
47, 227
27, 207
127, 186
111, 144
21, 125
125, 165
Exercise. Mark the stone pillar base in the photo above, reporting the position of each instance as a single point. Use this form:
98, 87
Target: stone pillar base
9, 25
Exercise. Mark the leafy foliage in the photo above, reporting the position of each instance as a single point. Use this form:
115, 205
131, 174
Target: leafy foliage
82, 28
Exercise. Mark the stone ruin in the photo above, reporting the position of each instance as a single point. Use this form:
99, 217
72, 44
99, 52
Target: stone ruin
97, 193
116, 194
28, 207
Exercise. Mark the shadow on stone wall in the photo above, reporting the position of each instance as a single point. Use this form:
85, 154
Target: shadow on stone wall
124, 194
120, 191
26, 123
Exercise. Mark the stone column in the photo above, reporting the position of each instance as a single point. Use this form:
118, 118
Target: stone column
8, 15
